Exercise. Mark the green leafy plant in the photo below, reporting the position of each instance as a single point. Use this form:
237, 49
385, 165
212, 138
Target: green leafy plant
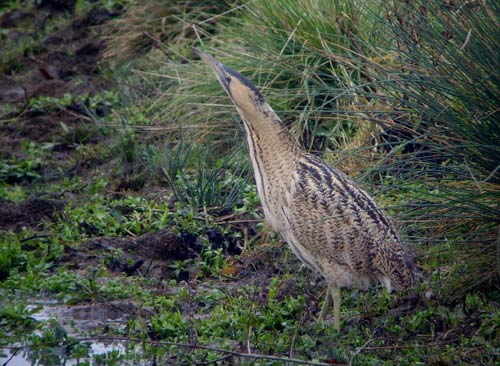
17, 316
11, 255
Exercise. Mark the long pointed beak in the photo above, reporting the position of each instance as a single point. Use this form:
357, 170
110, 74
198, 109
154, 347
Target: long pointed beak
217, 67
209, 59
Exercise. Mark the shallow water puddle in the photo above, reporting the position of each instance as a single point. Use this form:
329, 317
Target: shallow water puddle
82, 319
77, 321
55, 356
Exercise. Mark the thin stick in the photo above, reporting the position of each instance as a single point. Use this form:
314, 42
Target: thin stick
185, 345
222, 14
434, 344
360, 349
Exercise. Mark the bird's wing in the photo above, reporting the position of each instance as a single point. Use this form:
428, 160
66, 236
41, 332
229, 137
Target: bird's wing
334, 218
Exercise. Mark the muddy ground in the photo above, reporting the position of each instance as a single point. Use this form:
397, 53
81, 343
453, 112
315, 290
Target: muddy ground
65, 62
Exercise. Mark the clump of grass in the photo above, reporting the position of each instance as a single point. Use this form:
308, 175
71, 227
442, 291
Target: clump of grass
152, 23
303, 56
198, 179
170, 154
293, 54
442, 138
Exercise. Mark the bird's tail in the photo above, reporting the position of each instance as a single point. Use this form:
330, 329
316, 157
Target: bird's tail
407, 274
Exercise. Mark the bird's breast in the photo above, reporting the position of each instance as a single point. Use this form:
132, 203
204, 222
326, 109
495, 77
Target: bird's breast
276, 200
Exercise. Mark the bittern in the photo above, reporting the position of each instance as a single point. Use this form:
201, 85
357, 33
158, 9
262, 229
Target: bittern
331, 224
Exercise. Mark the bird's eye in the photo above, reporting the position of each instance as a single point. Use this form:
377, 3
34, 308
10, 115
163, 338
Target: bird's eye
228, 79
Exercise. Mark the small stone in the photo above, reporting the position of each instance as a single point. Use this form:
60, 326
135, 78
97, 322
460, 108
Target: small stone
11, 91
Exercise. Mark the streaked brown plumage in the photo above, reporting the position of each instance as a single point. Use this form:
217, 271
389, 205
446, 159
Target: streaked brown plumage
330, 223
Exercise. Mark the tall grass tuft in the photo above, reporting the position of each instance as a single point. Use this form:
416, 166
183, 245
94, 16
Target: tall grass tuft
198, 179
443, 134
292, 51
300, 51
153, 24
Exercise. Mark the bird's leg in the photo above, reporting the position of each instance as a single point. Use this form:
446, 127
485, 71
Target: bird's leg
327, 304
265, 232
336, 307
333, 294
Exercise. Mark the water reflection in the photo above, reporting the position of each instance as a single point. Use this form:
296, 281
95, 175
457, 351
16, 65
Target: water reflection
73, 321
96, 354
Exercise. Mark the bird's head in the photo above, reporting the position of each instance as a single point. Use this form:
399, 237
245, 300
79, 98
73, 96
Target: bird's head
245, 96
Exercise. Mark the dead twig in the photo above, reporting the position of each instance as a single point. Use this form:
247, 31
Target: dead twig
361, 349
183, 345
434, 344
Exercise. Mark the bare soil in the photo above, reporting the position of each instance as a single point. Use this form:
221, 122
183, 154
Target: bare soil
148, 255
28, 213
67, 61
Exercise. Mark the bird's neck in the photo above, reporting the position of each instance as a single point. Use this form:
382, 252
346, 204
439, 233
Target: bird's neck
268, 139
274, 153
